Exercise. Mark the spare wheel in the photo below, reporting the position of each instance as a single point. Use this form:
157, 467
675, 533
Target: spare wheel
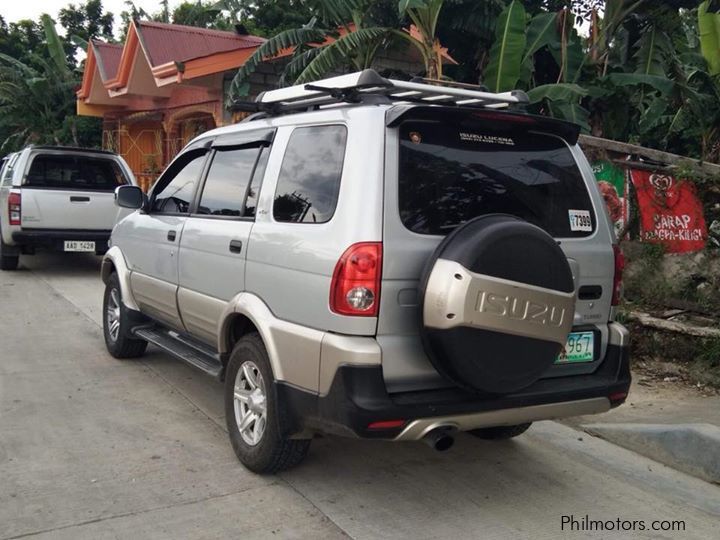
498, 303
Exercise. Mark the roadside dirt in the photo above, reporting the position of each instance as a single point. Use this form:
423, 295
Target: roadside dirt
656, 378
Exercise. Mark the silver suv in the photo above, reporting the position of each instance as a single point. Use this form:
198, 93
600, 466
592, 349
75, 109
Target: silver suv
378, 259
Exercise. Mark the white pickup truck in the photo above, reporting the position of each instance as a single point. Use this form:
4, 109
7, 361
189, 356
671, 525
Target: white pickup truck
59, 198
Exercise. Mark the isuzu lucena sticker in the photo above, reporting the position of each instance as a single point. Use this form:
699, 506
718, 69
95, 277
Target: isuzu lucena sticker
580, 220
483, 138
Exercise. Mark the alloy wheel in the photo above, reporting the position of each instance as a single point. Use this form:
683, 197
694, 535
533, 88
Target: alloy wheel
250, 403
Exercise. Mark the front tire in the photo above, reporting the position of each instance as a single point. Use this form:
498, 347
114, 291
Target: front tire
117, 323
253, 413
500, 433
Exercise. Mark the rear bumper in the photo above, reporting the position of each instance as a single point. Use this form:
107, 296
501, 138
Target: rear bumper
358, 397
54, 238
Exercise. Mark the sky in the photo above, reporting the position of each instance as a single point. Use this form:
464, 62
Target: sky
14, 10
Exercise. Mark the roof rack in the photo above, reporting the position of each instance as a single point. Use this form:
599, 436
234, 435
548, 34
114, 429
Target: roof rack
368, 86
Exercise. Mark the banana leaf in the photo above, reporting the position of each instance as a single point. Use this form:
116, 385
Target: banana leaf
557, 92
662, 84
571, 112
709, 28
503, 70
54, 45
653, 52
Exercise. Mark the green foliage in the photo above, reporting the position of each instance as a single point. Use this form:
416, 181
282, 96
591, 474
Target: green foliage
557, 92
295, 37
350, 38
82, 23
653, 53
200, 14
503, 70
37, 98
359, 47
541, 32
709, 30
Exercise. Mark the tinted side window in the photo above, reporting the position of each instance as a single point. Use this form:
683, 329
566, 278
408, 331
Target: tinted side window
309, 179
74, 172
176, 197
227, 182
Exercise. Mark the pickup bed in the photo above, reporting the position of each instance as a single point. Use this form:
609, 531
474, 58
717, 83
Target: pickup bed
58, 198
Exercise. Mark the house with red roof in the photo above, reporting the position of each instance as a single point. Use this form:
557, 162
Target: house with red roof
162, 87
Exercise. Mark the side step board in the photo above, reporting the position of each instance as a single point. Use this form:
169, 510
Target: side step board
194, 353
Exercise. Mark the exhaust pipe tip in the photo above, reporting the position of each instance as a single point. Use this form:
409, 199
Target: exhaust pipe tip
439, 439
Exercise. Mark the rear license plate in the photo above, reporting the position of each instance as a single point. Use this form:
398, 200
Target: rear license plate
580, 347
77, 245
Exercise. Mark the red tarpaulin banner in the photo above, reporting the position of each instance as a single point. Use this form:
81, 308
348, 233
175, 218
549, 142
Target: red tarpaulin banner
670, 212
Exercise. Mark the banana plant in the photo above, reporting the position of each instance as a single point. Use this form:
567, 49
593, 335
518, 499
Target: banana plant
340, 25
424, 15
36, 98
506, 55
342, 35
709, 28
518, 39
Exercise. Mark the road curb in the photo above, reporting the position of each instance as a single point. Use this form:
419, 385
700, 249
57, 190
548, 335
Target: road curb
691, 448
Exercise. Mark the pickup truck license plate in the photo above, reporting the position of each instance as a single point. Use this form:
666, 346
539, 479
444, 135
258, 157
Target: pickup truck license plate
580, 347
77, 245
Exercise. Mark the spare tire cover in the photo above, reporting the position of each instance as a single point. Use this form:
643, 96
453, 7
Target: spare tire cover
498, 302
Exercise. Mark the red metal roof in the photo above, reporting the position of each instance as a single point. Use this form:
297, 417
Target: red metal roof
165, 43
108, 58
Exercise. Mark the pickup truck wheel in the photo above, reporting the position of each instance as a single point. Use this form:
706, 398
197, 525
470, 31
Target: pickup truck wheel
253, 412
117, 322
7, 261
500, 433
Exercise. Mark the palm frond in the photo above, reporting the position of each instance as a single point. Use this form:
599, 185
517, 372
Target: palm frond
342, 50
17, 64
297, 65
288, 39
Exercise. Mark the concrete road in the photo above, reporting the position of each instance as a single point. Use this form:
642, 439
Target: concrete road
92, 447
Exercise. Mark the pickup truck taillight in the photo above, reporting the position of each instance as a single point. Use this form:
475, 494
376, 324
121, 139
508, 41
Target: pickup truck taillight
14, 208
355, 287
617, 277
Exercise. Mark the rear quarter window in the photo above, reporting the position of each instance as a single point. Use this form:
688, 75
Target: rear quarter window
309, 179
7, 171
451, 174
74, 172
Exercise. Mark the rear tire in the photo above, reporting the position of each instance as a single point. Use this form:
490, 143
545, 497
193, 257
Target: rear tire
500, 433
117, 323
252, 403
8, 261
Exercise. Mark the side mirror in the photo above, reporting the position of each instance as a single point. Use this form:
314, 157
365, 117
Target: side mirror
130, 197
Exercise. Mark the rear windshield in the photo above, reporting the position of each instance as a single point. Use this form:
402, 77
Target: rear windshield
450, 174
74, 172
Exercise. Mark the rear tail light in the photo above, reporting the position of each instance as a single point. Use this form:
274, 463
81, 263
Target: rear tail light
617, 398
355, 287
617, 277
14, 208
